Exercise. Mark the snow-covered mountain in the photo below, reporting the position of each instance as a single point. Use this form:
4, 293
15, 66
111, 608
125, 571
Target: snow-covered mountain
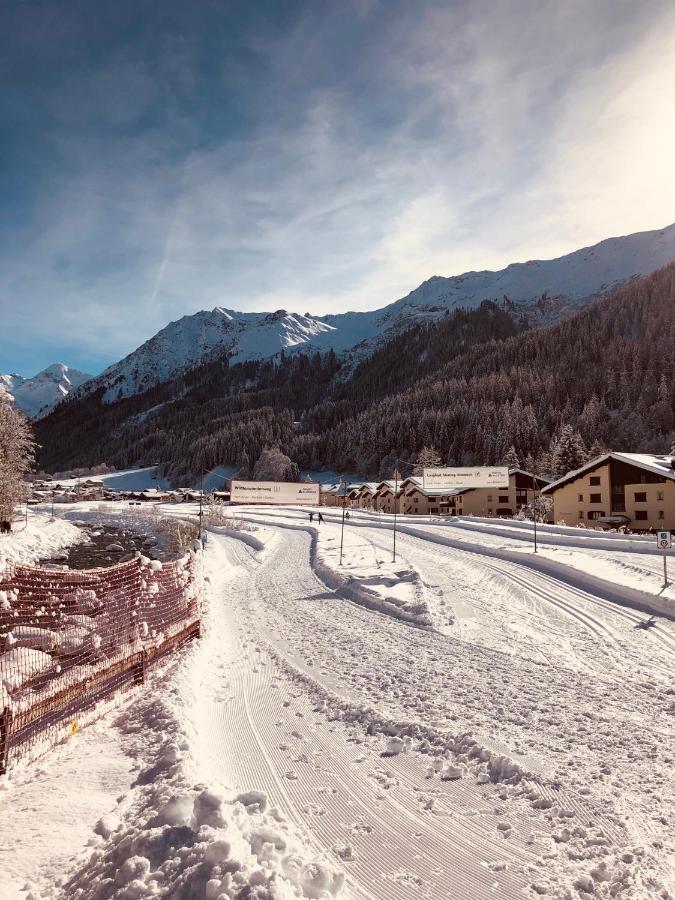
568, 282
37, 396
194, 339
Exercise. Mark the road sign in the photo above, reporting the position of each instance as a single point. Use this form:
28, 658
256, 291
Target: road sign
275, 492
664, 540
453, 477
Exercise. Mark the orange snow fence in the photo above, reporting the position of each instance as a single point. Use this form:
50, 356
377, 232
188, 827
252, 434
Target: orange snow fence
71, 640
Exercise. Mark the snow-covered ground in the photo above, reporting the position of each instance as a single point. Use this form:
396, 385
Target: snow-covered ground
142, 479
519, 744
37, 538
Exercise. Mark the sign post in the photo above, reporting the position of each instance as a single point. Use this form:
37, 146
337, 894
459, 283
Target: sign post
664, 542
466, 477
277, 493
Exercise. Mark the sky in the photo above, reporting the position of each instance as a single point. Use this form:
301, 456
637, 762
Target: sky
161, 158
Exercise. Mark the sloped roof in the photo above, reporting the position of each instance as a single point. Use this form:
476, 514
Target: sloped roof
431, 492
656, 464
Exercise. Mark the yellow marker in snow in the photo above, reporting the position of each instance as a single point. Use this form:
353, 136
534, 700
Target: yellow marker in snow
73, 727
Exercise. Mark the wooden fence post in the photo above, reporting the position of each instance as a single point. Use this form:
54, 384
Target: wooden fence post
5, 728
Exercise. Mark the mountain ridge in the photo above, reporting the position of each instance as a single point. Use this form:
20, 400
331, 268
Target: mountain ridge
566, 283
37, 396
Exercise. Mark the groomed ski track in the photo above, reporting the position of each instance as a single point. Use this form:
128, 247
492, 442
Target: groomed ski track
559, 681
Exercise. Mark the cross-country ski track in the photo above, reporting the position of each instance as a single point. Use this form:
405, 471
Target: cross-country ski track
549, 702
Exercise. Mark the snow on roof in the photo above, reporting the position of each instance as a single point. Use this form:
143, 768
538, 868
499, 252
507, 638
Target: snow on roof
390, 484
431, 492
656, 464
529, 474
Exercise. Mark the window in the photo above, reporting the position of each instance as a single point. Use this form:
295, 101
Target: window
504, 499
596, 514
489, 512
581, 513
489, 498
641, 514
580, 498
641, 496
594, 480
659, 495
661, 516
595, 498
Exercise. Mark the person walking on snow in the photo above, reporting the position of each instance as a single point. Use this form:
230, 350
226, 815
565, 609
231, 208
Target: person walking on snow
320, 518
311, 517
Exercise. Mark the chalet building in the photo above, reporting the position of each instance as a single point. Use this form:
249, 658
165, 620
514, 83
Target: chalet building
385, 498
416, 500
487, 502
504, 502
365, 496
328, 495
338, 494
632, 489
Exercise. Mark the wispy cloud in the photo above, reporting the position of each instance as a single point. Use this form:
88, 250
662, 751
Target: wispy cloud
324, 160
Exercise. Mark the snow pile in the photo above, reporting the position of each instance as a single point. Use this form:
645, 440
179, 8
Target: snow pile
40, 538
366, 575
171, 837
21, 664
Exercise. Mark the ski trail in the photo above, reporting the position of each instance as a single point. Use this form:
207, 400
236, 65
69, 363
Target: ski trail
330, 779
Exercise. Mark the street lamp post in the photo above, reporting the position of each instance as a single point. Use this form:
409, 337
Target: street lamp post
201, 496
395, 507
342, 527
534, 508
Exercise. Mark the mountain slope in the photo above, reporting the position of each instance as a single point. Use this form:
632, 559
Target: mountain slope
37, 396
471, 384
543, 291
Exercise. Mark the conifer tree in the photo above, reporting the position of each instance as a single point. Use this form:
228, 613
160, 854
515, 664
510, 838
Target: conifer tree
569, 451
427, 458
16, 456
510, 458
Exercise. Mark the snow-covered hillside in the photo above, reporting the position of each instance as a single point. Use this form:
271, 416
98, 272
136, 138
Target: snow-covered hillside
38, 395
194, 339
568, 282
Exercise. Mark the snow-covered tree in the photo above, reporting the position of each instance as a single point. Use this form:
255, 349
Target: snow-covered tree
569, 451
510, 458
427, 458
16, 456
597, 449
273, 465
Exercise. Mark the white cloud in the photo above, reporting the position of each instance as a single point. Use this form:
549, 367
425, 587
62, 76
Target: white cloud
465, 137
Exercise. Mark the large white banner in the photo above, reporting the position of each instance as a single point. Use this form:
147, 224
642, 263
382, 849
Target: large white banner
275, 492
466, 477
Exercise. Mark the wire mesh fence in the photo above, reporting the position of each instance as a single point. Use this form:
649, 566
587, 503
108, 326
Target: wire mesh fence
69, 640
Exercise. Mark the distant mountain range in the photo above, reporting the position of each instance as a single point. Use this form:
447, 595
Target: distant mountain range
541, 291
37, 396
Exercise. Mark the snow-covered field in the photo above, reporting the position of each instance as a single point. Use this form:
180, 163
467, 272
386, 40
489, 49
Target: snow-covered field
451, 724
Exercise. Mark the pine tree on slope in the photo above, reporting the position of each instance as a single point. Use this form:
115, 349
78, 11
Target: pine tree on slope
427, 458
16, 456
510, 458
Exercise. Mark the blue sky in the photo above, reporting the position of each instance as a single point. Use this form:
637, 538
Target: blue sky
160, 158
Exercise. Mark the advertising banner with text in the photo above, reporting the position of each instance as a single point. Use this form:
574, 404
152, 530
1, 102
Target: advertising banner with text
275, 492
452, 477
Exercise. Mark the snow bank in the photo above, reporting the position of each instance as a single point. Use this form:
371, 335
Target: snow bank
620, 593
21, 664
394, 589
175, 837
42, 537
